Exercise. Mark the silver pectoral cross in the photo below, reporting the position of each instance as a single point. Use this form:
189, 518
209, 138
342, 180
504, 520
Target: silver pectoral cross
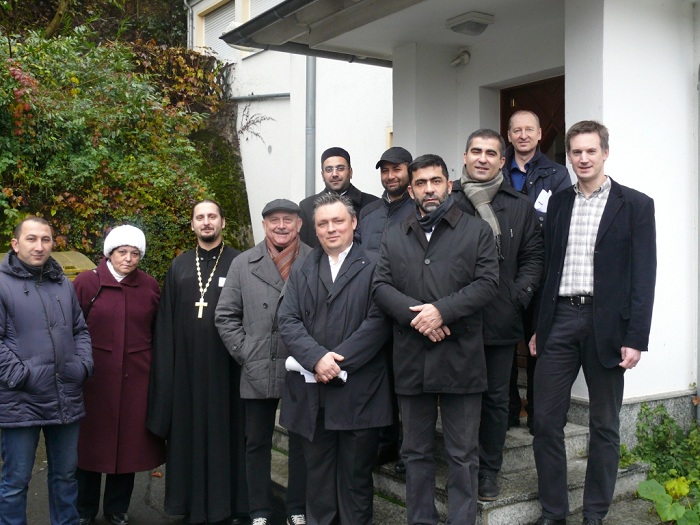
201, 305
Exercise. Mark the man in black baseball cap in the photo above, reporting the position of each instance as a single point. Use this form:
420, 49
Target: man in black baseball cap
394, 206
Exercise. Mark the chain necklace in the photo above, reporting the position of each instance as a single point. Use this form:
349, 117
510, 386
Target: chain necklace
201, 304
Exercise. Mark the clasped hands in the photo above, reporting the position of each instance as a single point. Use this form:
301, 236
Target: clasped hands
429, 322
327, 367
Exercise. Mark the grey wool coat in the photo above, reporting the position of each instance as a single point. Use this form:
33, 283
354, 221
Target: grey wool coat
246, 318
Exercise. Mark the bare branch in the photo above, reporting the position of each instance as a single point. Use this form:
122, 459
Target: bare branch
55, 23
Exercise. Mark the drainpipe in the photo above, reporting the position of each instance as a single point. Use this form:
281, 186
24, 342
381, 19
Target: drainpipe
310, 125
697, 351
190, 25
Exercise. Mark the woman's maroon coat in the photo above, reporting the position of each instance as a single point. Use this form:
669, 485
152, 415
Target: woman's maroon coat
113, 435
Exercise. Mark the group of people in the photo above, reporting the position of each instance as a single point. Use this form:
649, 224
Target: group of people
361, 319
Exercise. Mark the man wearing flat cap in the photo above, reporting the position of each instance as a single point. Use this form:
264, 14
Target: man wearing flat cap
336, 172
246, 317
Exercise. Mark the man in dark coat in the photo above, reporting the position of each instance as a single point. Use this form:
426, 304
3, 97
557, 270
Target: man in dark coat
328, 322
595, 314
394, 206
45, 357
246, 317
336, 172
531, 173
194, 400
436, 272
483, 192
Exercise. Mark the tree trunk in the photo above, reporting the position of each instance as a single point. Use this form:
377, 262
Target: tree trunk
55, 23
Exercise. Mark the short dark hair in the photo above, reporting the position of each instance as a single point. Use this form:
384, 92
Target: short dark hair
427, 161
486, 133
18, 229
331, 198
588, 126
523, 112
212, 201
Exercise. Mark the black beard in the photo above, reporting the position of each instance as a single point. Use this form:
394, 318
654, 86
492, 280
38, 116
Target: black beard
208, 238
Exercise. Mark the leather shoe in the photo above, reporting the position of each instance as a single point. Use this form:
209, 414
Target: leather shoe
592, 521
400, 468
488, 488
120, 518
551, 521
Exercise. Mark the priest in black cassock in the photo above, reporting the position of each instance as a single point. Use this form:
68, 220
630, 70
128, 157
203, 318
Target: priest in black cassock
194, 400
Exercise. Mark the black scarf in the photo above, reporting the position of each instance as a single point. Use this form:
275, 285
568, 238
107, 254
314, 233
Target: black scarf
429, 220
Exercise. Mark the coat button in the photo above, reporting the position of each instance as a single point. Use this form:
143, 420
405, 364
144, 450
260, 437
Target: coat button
427, 261
264, 305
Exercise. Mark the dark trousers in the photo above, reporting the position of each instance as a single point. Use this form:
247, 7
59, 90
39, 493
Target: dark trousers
118, 489
515, 403
259, 429
571, 346
494, 409
460, 416
339, 467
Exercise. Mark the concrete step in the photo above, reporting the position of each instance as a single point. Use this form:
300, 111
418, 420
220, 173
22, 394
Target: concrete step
517, 453
626, 512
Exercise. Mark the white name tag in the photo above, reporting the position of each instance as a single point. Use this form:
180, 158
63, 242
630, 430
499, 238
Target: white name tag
222, 281
542, 201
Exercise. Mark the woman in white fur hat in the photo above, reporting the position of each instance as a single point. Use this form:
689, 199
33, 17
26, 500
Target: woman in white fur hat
119, 302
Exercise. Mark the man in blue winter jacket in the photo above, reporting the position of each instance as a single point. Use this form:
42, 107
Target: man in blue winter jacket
45, 357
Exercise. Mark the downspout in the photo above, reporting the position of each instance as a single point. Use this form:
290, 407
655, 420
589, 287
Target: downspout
697, 351
190, 25
310, 125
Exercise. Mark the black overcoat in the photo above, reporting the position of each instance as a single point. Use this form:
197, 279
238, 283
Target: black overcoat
356, 329
457, 271
520, 270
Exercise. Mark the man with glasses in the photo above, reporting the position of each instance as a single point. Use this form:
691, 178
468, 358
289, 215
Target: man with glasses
336, 172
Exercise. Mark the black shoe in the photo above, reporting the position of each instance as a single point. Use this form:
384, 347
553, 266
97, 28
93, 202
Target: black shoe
400, 468
120, 518
488, 488
591, 521
86, 521
387, 454
550, 521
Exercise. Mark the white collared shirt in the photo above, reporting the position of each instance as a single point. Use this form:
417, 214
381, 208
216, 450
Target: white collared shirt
335, 266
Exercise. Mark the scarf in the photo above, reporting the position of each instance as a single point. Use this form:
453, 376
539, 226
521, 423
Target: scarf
480, 194
429, 220
285, 258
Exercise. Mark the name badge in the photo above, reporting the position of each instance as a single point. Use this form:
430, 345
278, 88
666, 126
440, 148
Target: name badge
222, 281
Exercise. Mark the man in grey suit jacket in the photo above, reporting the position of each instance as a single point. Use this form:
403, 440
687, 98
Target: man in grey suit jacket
246, 317
595, 314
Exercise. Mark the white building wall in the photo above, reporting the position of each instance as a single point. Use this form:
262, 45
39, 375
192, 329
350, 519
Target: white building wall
353, 110
637, 75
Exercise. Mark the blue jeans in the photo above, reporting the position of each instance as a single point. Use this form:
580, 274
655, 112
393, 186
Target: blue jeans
18, 454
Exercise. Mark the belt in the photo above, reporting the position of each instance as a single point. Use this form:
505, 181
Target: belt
577, 300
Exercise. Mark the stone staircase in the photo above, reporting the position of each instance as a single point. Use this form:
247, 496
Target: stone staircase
517, 503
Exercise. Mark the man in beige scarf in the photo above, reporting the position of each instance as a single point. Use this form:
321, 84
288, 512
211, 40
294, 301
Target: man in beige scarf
484, 192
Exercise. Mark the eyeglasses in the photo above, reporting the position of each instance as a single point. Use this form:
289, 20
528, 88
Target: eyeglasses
339, 168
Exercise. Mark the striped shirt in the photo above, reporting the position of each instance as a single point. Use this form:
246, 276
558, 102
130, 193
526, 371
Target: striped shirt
577, 273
